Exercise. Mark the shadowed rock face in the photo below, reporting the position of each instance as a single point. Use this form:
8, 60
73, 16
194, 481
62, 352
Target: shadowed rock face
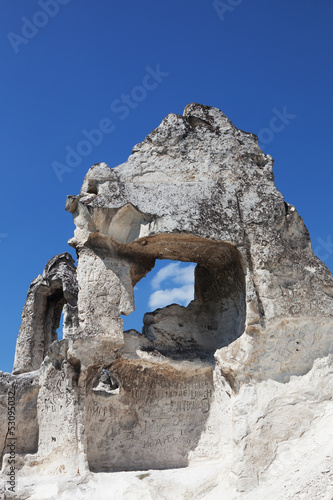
201, 383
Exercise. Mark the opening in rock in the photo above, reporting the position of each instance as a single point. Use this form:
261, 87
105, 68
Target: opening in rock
169, 282
53, 313
216, 316
92, 189
60, 327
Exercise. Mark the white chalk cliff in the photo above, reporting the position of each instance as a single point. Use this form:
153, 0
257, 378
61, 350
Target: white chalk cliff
229, 398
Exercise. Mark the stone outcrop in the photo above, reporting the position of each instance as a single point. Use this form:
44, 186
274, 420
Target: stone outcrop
238, 382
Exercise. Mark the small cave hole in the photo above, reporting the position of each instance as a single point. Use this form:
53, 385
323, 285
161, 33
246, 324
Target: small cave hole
106, 383
92, 189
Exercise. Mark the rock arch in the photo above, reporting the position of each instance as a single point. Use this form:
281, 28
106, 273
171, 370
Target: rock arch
48, 295
217, 315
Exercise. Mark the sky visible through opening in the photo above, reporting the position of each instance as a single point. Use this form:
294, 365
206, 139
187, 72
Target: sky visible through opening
169, 282
60, 327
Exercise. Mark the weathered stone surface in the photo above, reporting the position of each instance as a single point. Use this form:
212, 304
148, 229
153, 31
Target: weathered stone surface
227, 398
48, 295
19, 393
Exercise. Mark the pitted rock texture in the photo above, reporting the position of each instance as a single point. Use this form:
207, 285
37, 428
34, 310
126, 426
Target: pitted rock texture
212, 400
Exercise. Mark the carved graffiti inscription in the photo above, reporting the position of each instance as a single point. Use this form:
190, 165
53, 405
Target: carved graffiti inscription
156, 420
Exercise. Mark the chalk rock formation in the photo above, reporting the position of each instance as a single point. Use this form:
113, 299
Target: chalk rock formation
229, 397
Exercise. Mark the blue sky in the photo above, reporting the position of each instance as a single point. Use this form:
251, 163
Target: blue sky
70, 67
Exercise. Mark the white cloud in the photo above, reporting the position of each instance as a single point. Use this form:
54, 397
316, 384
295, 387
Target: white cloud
185, 275
176, 272
181, 295
165, 273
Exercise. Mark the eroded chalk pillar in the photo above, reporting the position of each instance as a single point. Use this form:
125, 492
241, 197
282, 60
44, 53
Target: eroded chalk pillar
105, 292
